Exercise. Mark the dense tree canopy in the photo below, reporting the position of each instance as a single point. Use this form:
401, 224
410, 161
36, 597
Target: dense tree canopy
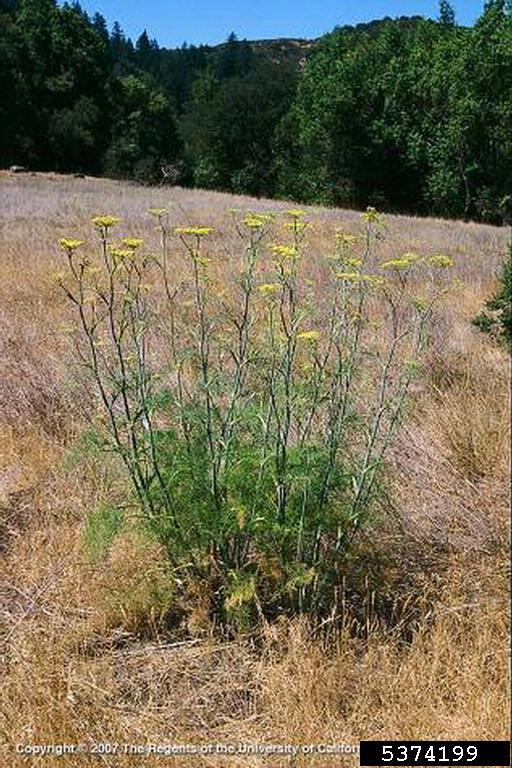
229, 125
409, 114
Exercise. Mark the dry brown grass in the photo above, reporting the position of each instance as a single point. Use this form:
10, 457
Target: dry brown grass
87, 653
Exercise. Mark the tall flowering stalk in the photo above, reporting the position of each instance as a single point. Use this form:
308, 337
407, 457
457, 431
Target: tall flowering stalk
255, 448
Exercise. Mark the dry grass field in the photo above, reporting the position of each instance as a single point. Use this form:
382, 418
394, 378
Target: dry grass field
87, 652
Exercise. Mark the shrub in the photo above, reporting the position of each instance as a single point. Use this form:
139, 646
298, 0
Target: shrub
254, 434
496, 316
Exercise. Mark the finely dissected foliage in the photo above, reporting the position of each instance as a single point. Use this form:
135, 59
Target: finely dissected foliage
497, 314
102, 525
255, 447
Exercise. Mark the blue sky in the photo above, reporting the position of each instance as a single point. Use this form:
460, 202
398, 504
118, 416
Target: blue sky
172, 22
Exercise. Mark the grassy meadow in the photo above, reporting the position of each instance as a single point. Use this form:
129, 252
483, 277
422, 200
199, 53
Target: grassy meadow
92, 649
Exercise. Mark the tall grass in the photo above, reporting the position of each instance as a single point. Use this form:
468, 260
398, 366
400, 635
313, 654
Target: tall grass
89, 632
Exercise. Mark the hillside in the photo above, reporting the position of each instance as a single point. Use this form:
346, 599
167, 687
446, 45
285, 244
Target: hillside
296, 50
98, 645
373, 114
284, 49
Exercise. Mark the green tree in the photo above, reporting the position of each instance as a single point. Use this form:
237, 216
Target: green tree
146, 53
407, 114
11, 136
143, 130
446, 13
411, 114
349, 121
234, 59
60, 79
229, 126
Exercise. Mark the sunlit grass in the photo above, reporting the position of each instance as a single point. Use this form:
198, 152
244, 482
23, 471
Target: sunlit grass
80, 635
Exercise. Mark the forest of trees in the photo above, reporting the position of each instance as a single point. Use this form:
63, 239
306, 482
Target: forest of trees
407, 114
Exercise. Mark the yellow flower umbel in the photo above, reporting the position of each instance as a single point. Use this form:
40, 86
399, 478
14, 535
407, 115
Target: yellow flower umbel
269, 289
399, 264
197, 231
349, 276
255, 221
308, 335
442, 261
420, 303
371, 216
132, 242
375, 280
295, 213
345, 243
105, 222
296, 225
353, 263
284, 251
346, 239
158, 213
69, 244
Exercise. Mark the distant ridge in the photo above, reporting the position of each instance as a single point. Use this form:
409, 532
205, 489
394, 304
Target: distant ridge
279, 50
295, 50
